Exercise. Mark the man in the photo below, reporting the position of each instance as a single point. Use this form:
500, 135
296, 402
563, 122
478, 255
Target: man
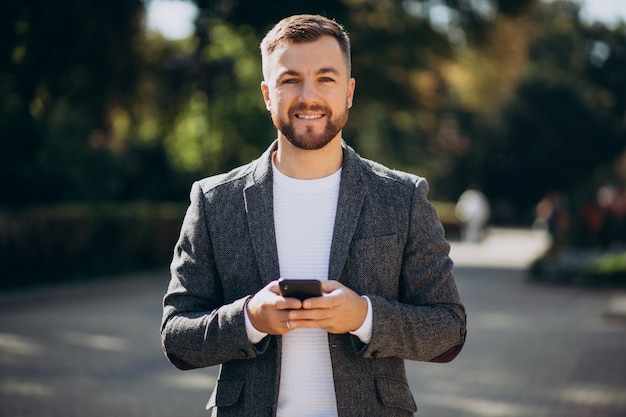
310, 207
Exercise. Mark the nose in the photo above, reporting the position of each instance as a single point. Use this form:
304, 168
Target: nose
308, 92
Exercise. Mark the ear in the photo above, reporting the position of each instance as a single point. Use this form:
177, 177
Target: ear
351, 87
266, 95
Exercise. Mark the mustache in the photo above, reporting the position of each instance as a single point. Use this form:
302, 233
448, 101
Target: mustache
301, 107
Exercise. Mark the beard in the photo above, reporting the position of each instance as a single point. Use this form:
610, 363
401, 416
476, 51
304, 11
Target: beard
309, 139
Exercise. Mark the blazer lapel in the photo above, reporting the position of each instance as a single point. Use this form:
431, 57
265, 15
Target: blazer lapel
351, 196
259, 205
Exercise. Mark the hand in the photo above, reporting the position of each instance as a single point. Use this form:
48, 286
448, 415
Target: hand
339, 310
268, 311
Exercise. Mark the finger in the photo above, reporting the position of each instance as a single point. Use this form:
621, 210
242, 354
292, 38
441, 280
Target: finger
310, 315
317, 302
324, 324
280, 323
273, 287
289, 304
331, 285
334, 294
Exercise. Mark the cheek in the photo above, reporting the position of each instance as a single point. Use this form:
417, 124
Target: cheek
281, 103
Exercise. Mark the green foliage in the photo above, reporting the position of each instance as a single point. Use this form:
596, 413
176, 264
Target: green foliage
583, 268
114, 103
562, 126
516, 96
74, 242
610, 265
61, 65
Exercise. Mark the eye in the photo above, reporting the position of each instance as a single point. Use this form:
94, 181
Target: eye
289, 81
327, 80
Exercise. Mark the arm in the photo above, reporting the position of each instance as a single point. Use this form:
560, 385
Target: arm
418, 316
427, 322
198, 328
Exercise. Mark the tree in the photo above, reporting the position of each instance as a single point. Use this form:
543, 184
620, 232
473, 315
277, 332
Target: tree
62, 64
398, 50
560, 123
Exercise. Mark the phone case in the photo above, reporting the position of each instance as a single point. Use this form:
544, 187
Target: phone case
300, 288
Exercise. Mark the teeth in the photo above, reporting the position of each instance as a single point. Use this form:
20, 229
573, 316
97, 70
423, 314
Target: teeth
309, 117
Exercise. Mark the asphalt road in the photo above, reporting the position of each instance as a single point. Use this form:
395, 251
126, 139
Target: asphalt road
93, 350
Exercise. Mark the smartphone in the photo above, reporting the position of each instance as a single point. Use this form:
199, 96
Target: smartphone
300, 288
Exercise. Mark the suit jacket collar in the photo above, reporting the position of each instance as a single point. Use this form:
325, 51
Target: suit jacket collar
259, 204
351, 197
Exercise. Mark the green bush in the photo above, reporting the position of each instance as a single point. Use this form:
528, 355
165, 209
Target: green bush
606, 270
76, 242
44, 245
588, 268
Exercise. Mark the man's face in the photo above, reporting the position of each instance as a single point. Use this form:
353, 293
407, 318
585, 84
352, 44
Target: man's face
308, 91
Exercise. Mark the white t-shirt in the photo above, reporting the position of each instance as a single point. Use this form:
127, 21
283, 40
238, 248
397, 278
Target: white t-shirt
304, 219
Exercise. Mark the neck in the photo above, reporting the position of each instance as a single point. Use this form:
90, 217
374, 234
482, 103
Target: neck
308, 164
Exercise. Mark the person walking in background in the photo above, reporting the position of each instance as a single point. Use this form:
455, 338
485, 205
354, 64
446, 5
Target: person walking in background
473, 211
311, 208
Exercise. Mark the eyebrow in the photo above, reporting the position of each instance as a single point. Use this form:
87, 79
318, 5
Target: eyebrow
326, 70
321, 71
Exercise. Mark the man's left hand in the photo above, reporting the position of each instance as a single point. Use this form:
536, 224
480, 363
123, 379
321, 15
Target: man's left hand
339, 310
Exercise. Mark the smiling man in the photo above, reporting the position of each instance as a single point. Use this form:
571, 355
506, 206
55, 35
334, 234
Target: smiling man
302, 94
311, 208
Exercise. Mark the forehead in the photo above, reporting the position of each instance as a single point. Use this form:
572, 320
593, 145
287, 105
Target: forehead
324, 52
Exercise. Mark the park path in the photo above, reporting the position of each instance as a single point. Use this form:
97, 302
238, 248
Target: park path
93, 350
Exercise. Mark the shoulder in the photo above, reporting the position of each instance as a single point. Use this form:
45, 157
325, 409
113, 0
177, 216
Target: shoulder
384, 173
237, 177
379, 175
258, 171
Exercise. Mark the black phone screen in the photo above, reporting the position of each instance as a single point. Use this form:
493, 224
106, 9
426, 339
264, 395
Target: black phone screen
300, 288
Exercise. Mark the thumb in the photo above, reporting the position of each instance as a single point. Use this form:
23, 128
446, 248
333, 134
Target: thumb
330, 286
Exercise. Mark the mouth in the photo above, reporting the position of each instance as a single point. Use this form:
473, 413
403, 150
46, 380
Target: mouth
309, 116
310, 113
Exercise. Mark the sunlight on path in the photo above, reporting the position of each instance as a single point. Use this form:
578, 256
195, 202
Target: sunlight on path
502, 247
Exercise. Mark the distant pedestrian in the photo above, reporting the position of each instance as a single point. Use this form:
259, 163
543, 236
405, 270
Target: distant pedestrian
473, 211
552, 214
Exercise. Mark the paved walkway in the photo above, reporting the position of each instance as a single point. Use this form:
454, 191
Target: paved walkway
502, 247
532, 350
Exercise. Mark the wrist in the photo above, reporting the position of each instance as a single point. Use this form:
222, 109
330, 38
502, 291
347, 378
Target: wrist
254, 334
364, 331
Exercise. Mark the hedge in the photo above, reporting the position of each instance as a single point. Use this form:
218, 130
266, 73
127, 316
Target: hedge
582, 267
608, 269
44, 245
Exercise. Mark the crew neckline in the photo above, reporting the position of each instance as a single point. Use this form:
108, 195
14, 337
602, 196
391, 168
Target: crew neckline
306, 185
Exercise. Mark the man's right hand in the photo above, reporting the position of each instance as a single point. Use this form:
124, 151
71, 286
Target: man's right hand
268, 311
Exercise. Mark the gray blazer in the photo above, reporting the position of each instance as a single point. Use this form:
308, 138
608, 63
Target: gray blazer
388, 244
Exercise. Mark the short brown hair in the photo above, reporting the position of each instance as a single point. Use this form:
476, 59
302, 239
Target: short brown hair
305, 28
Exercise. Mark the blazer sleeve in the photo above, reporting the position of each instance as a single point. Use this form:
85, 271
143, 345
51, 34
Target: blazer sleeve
197, 328
427, 322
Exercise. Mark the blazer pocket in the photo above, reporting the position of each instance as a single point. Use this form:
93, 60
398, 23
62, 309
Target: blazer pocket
373, 263
395, 393
226, 393
378, 249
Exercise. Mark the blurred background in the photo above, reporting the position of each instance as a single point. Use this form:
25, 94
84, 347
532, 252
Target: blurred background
109, 111
514, 110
